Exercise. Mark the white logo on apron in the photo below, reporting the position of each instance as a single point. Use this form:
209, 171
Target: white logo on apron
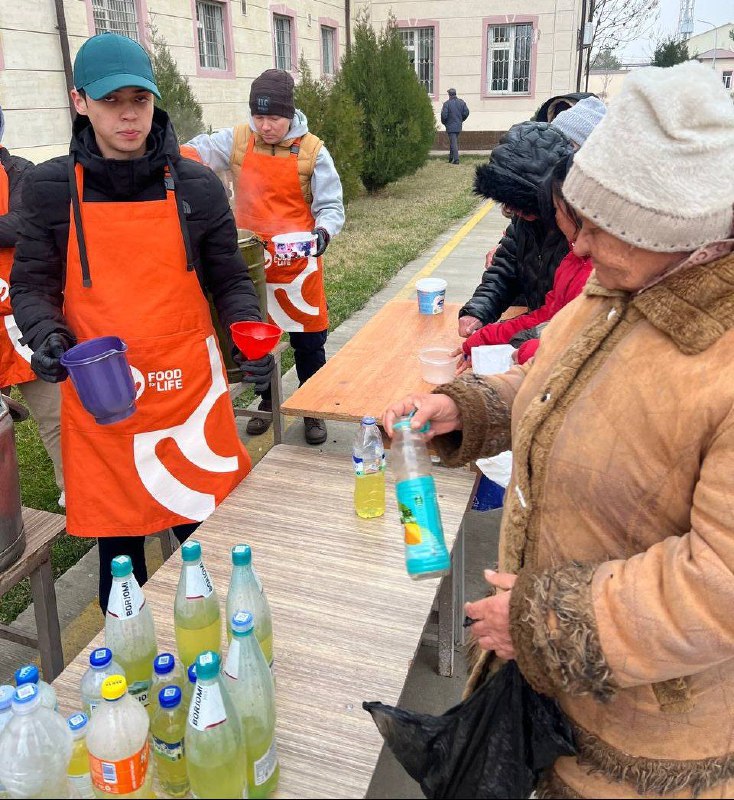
189, 436
14, 335
138, 380
294, 291
4, 290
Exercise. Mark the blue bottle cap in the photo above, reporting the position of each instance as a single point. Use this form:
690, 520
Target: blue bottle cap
242, 622
27, 674
77, 722
192, 673
169, 697
122, 566
163, 663
241, 555
403, 424
207, 665
100, 658
24, 695
368, 420
191, 550
6, 696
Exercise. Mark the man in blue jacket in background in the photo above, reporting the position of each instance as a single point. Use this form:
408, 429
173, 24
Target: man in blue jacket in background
453, 114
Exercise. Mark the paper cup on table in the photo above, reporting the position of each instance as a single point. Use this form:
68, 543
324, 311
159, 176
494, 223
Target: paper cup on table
431, 295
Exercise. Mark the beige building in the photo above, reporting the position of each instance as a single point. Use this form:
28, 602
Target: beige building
715, 48
503, 59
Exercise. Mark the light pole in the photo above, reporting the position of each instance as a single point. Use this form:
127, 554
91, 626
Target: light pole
716, 38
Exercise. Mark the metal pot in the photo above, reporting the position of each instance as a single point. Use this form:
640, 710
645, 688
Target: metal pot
12, 535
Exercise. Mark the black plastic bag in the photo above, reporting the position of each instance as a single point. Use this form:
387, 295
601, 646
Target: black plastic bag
493, 745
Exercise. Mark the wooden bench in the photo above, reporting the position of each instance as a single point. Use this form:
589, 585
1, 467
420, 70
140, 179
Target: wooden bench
42, 529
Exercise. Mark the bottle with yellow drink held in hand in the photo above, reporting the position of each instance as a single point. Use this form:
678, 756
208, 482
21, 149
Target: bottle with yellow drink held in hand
426, 555
196, 616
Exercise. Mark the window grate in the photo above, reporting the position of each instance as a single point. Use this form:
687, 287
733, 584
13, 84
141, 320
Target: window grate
283, 42
726, 77
419, 44
509, 53
210, 24
328, 36
117, 16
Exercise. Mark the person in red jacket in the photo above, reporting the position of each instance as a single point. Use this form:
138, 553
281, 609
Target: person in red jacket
568, 282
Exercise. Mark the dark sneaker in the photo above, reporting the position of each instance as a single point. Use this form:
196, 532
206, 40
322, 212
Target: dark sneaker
315, 430
257, 426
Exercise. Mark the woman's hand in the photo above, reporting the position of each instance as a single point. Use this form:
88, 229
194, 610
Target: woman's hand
464, 362
438, 409
492, 615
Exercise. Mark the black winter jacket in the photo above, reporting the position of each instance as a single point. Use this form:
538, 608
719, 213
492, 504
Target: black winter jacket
210, 235
526, 258
453, 114
17, 169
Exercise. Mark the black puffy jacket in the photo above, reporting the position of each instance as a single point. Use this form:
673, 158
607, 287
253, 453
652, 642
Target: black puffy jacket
526, 258
210, 235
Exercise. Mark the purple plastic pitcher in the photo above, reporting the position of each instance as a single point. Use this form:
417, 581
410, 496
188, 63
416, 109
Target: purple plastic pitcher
102, 378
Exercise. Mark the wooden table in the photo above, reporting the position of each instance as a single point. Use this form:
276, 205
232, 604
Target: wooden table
347, 618
377, 366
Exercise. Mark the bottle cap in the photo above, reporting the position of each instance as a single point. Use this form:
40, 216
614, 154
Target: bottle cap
241, 555
122, 566
77, 724
26, 698
27, 674
100, 658
169, 697
163, 663
207, 665
403, 424
191, 550
6, 696
242, 622
368, 420
114, 687
191, 672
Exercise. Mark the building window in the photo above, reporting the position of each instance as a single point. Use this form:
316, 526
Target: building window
210, 25
328, 39
419, 42
726, 77
509, 49
283, 42
117, 16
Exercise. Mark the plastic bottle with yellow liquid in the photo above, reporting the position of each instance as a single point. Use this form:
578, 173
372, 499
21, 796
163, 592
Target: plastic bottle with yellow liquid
80, 778
167, 733
196, 616
368, 459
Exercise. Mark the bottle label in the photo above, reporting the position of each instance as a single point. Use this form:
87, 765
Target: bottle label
140, 690
265, 766
168, 751
419, 514
82, 785
207, 707
126, 599
120, 777
368, 466
198, 582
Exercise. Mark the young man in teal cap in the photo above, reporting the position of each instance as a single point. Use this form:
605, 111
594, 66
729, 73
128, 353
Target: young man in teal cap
121, 237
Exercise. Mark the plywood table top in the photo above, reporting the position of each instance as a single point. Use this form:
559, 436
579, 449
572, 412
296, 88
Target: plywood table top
347, 619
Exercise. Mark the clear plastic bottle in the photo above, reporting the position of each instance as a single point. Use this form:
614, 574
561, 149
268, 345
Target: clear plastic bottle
250, 685
188, 691
246, 592
167, 733
101, 666
6, 712
129, 629
196, 616
79, 775
166, 672
215, 753
35, 748
426, 555
117, 741
30, 674
368, 459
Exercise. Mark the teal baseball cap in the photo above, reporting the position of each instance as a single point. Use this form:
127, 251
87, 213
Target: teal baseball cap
108, 62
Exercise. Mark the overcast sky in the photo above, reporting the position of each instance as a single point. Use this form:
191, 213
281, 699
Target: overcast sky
716, 11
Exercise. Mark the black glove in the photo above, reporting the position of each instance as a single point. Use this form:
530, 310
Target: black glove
46, 362
322, 240
258, 371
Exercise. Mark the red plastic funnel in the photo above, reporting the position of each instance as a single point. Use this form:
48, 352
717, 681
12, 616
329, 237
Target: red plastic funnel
255, 339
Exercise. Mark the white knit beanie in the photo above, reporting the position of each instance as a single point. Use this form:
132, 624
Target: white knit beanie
658, 170
580, 120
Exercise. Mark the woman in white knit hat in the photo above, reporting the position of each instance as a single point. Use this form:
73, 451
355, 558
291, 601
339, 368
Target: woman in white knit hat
617, 542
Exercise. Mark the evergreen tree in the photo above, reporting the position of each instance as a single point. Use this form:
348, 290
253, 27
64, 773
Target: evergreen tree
399, 126
670, 52
606, 59
177, 97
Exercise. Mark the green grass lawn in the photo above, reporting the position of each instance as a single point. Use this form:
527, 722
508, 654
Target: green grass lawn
384, 232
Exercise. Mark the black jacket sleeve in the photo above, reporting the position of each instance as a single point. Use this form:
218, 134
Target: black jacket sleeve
499, 284
36, 279
445, 113
224, 271
18, 169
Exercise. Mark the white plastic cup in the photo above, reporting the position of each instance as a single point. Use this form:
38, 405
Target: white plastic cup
437, 364
431, 295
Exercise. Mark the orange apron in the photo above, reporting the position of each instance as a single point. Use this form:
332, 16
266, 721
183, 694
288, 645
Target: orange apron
269, 201
179, 455
15, 358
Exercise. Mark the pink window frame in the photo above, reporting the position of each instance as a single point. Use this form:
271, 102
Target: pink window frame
282, 10
206, 72
508, 19
428, 23
141, 8
328, 22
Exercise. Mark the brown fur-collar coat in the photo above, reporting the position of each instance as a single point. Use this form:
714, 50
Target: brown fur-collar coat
619, 522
